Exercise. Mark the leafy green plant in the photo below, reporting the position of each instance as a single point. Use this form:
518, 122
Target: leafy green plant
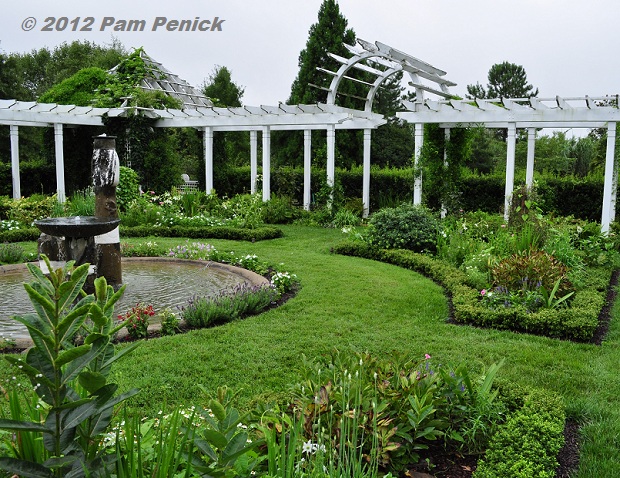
70, 380
11, 254
169, 322
81, 203
229, 304
137, 321
405, 227
550, 299
531, 271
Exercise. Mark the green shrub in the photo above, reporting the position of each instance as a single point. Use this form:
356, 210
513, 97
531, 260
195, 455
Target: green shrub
530, 272
404, 227
27, 210
20, 235
11, 254
278, 210
527, 445
219, 232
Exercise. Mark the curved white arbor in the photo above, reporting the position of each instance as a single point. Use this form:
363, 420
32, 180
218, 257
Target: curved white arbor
383, 61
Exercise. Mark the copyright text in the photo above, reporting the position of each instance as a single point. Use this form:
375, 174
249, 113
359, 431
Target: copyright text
114, 24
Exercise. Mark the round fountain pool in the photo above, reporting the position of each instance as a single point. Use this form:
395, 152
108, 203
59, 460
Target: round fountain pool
160, 282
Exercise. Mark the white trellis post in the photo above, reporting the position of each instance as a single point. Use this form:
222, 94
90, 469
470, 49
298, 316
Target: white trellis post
609, 173
266, 163
208, 153
60, 162
510, 167
366, 173
331, 155
253, 160
445, 163
419, 142
531, 147
14, 133
307, 168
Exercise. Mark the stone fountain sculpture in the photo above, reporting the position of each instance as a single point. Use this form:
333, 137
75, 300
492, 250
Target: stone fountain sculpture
91, 239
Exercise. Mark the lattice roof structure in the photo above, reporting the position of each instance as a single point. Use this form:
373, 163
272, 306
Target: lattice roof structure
161, 79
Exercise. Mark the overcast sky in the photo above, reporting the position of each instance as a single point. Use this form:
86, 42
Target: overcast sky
567, 47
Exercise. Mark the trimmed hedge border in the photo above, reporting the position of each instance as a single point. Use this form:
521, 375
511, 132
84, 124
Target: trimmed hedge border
211, 232
528, 443
578, 323
219, 232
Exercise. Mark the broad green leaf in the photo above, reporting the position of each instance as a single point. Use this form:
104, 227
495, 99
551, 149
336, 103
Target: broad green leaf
115, 298
34, 373
91, 381
72, 354
215, 438
44, 307
97, 316
34, 321
69, 291
71, 323
81, 362
120, 354
24, 469
18, 425
41, 279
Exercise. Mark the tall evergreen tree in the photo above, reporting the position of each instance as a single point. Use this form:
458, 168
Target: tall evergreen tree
230, 148
506, 80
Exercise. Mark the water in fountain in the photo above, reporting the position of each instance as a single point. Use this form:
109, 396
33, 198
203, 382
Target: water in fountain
159, 283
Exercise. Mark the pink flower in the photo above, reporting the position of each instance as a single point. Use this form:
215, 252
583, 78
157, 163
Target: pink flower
426, 356
483, 292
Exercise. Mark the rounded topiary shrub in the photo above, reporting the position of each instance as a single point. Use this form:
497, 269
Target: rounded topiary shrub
404, 227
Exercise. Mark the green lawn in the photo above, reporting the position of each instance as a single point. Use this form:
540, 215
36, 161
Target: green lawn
356, 304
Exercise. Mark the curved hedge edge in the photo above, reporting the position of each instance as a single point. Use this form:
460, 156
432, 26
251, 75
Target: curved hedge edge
528, 443
211, 232
578, 323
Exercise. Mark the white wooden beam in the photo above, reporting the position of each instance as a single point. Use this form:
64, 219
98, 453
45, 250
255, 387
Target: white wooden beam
253, 160
208, 157
419, 142
366, 173
14, 134
510, 168
531, 145
307, 168
60, 162
266, 163
607, 218
331, 155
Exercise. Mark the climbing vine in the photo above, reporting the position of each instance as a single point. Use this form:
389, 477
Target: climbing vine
442, 176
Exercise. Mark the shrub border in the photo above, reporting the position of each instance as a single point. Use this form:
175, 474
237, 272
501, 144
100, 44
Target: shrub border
578, 323
208, 232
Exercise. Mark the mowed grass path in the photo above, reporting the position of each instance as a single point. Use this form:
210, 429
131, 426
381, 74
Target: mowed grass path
361, 305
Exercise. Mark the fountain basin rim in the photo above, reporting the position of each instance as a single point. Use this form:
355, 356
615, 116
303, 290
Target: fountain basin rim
77, 226
252, 277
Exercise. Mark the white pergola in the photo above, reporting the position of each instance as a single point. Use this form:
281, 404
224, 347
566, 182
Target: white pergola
379, 62
205, 118
382, 61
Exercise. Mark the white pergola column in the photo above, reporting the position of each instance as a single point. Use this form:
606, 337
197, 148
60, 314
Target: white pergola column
14, 134
607, 216
331, 155
511, 142
531, 148
445, 163
60, 162
253, 160
266, 163
208, 152
366, 174
307, 168
419, 142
